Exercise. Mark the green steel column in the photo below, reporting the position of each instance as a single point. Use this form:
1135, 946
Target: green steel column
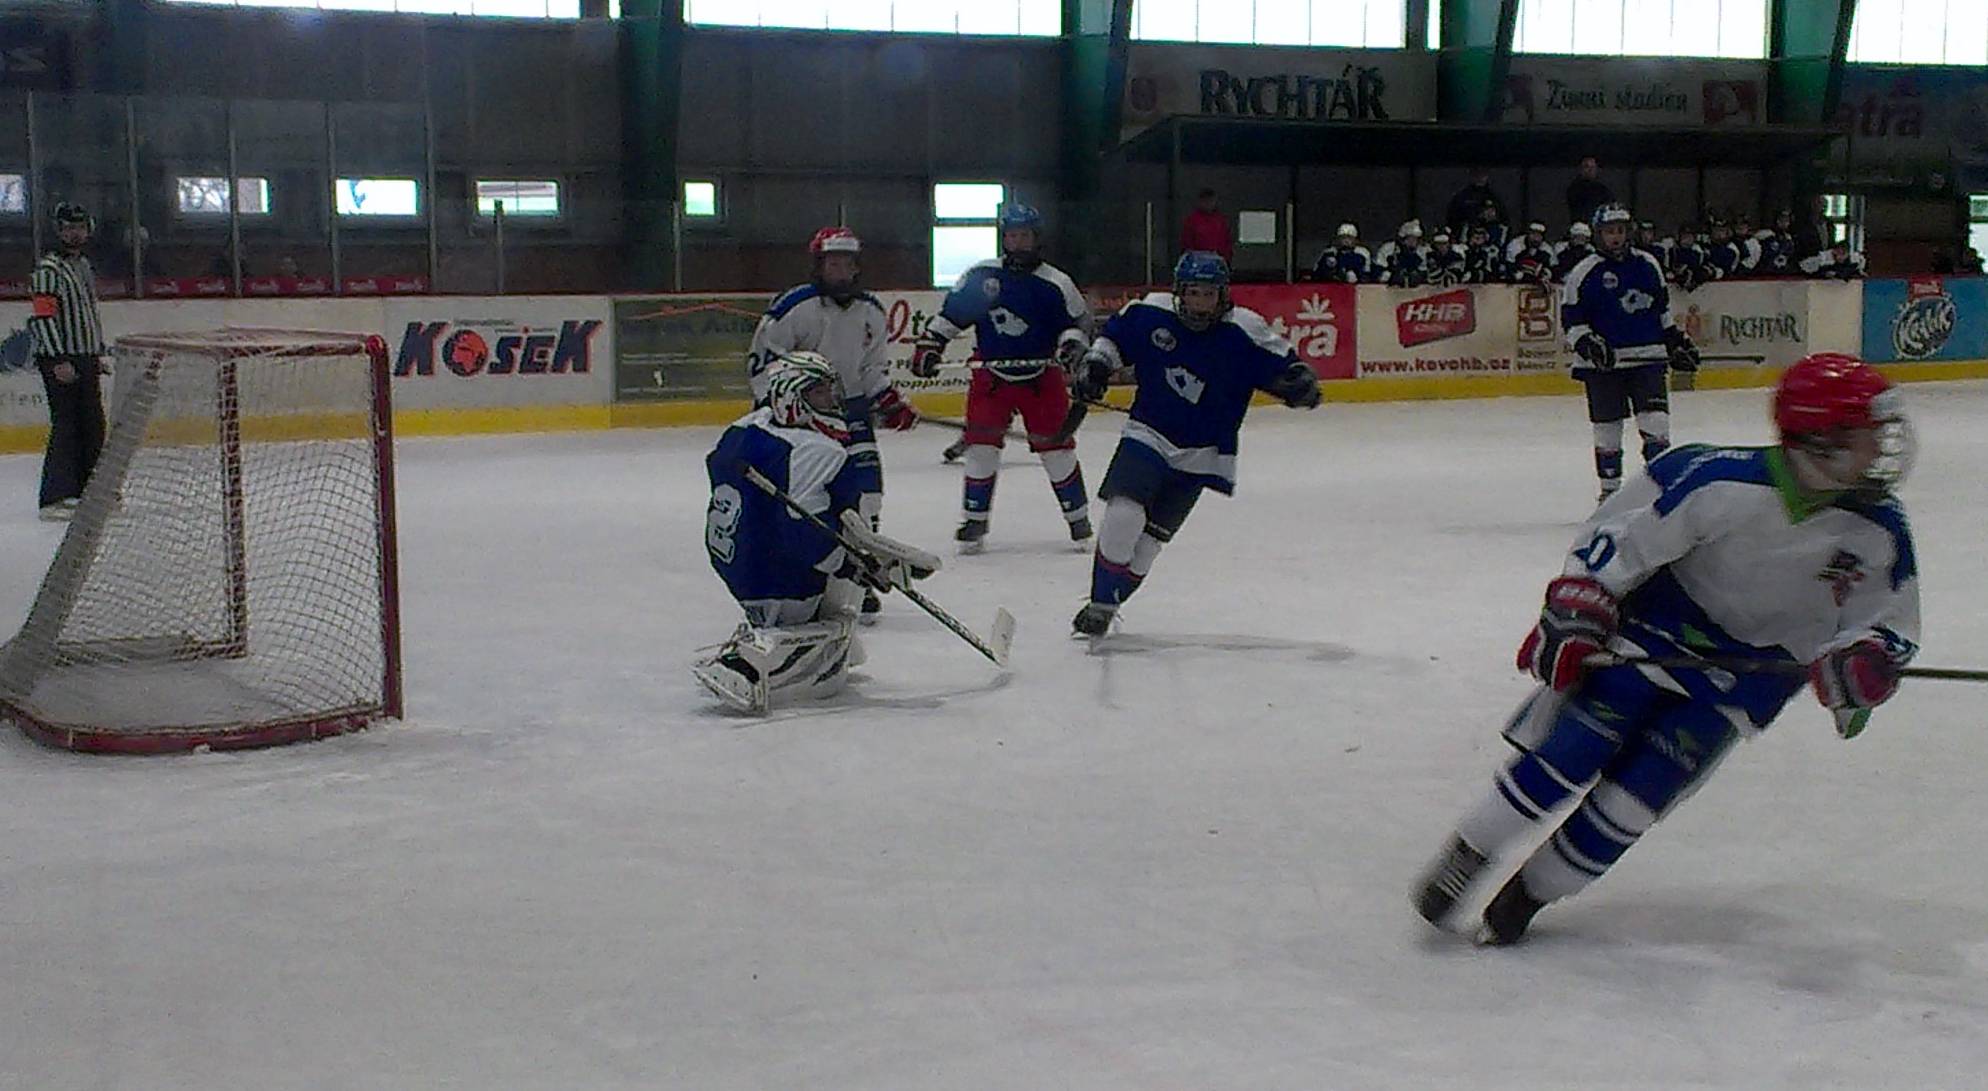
1096, 42
1806, 45
651, 106
1475, 59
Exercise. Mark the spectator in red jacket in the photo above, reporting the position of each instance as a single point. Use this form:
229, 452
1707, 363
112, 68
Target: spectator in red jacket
1207, 228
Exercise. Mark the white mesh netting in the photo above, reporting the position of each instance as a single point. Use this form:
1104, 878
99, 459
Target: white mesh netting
227, 577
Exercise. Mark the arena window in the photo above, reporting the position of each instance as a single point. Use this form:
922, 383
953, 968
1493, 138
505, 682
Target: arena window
1920, 32
1001, 18
700, 199
521, 198
1977, 222
517, 9
208, 196
13, 194
1843, 213
1643, 28
374, 197
1365, 24
963, 231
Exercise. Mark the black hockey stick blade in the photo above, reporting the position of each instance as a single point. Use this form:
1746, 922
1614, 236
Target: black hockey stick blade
1072, 421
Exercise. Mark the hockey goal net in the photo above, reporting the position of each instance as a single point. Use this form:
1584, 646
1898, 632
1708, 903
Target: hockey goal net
228, 578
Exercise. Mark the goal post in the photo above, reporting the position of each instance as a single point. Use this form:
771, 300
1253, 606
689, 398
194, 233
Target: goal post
229, 578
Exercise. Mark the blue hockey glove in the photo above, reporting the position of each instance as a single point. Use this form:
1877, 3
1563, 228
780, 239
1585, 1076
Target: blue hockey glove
1595, 351
1296, 387
1577, 621
1683, 353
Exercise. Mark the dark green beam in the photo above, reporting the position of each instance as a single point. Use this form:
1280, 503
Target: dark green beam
1097, 38
1807, 41
651, 106
1475, 60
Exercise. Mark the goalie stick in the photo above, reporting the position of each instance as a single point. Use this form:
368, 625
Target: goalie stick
1001, 635
1769, 666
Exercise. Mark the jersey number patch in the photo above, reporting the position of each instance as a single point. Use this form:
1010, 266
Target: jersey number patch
1598, 552
721, 522
1186, 384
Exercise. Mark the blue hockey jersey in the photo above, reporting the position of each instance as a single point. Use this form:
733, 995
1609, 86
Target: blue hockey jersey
1018, 318
1194, 387
764, 552
1625, 301
1349, 264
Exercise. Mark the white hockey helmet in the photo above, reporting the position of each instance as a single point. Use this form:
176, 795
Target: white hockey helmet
1347, 231
1412, 229
803, 391
1580, 231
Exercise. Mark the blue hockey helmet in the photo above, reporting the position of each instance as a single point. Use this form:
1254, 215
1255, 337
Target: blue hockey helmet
1205, 268
1018, 214
1614, 243
1611, 214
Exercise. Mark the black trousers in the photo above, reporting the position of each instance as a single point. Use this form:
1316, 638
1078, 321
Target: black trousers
75, 427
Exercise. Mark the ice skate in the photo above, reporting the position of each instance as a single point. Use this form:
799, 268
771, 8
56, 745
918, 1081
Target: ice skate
1080, 530
1509, 914
971, 535
1446, 880
1093, 621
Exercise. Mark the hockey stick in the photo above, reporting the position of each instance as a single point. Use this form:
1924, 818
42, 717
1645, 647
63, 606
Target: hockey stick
1769, 666
1003, 631
958, 425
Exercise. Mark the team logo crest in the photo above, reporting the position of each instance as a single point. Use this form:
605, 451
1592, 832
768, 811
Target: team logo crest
1611, 281
1843, 573
1164, 340
991, 287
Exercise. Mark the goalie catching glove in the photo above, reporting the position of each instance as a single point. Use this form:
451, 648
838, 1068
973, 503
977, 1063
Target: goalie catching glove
1577, 621
882, 563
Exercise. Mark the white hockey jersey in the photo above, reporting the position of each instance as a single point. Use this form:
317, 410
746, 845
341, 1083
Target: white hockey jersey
852, 337
1716, 552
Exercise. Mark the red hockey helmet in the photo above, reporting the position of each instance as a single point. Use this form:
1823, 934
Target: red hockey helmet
1824, 391
835, 240
1823, 403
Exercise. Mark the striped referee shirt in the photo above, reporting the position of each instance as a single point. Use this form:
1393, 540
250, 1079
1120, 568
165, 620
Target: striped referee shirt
64, 321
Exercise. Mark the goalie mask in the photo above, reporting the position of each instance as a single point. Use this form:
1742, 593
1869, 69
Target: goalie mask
804, 392
1842, 426
837, 269
1201, 289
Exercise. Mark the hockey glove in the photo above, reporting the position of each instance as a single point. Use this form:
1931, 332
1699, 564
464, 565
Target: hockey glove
895, 413
1296, 387
1069, 356
1093, 376
1683, 353
1597, 352
1579, 618
1861, 675
927, 353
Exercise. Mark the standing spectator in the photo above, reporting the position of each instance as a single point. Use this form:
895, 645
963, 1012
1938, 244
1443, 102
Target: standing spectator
1470, 202
1207, 228
1813, 235
68, 338
1587, 192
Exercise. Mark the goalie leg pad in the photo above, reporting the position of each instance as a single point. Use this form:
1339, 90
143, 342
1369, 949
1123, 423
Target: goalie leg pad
758, 666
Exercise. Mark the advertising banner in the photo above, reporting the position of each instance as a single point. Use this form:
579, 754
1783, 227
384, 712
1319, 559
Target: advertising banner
1470, 330
1255, 82
469, 351
1320, 321
1925, 318
1619, 92
1746, 323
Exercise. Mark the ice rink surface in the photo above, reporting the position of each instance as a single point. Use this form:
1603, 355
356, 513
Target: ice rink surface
1181, 864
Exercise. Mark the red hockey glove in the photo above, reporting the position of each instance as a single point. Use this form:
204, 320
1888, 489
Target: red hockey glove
1861, 675
1579, 617
895, 413
927, 353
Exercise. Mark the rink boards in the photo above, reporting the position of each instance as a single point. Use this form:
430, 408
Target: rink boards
532, 363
